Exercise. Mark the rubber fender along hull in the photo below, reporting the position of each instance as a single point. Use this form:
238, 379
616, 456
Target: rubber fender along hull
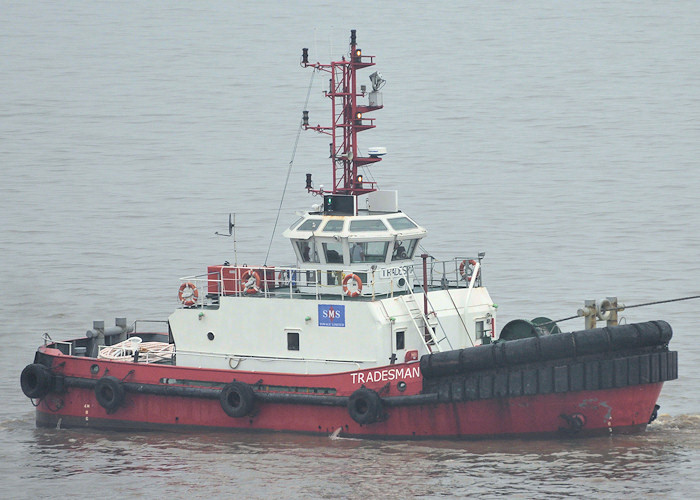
556, 377
547, 348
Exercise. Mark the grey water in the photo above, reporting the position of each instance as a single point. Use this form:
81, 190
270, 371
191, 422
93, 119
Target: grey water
561, 138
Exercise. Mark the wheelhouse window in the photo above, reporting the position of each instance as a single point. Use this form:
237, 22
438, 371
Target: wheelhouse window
307, 250
367, 225
404, 249
333, 226
333, 252
368, 251
296, 223
402, 223
310, 225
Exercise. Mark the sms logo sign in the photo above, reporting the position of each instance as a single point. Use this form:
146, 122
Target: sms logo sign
331, 315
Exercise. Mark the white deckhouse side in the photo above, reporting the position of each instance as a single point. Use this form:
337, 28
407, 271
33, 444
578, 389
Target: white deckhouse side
354, 300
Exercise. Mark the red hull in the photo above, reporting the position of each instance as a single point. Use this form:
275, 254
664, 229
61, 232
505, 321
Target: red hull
602, 411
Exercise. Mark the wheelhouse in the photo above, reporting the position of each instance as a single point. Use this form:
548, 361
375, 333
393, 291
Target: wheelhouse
354, 241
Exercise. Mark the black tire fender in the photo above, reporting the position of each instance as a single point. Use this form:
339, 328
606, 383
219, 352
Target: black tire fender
237, 399
109, 392
36, 380
365, 406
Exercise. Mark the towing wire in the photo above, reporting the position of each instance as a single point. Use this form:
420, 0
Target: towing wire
622, 308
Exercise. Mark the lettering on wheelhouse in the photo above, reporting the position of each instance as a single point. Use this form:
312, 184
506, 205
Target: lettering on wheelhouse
395, 272
386, 375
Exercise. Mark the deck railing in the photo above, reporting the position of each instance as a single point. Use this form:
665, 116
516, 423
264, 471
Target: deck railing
343, 283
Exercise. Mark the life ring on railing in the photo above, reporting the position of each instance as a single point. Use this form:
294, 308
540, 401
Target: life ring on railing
251, 282
358, 285
466, 269
188, 294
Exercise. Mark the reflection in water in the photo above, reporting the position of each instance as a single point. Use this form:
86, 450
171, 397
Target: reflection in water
294, 465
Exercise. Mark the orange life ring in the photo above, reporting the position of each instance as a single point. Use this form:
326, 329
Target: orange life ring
248, 288
357, 280
466, 268
189, 298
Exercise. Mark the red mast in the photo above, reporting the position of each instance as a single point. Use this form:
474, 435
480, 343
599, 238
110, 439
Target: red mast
348, 119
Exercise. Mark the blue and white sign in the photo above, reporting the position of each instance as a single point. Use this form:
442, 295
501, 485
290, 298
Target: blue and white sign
331, 315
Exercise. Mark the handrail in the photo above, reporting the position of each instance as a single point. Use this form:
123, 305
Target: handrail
63, 342
242, 357
135, 330
319, 281
450, 276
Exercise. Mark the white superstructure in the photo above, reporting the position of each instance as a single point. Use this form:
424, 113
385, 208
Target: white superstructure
354, 300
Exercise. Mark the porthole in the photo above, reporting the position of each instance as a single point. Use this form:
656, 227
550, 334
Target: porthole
401, 386
210, 335
95, 369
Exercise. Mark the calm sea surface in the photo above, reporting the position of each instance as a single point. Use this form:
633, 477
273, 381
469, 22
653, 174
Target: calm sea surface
561, 138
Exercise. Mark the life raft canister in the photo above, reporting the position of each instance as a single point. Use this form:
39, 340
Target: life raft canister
466, 269
250, 286
188, 294
355, 291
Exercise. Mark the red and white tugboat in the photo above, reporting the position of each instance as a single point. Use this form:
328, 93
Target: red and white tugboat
358, 338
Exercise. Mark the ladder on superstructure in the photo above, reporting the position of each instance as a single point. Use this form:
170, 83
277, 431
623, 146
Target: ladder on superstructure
432, 343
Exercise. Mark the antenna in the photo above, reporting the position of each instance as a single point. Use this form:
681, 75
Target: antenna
231, 232
231, 225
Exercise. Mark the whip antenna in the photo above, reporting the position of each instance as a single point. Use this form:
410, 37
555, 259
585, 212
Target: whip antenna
289, 170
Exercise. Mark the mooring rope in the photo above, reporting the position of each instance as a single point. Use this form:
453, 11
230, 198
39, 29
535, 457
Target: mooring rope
289, 170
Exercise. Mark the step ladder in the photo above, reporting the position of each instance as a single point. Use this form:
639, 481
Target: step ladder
423, 325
